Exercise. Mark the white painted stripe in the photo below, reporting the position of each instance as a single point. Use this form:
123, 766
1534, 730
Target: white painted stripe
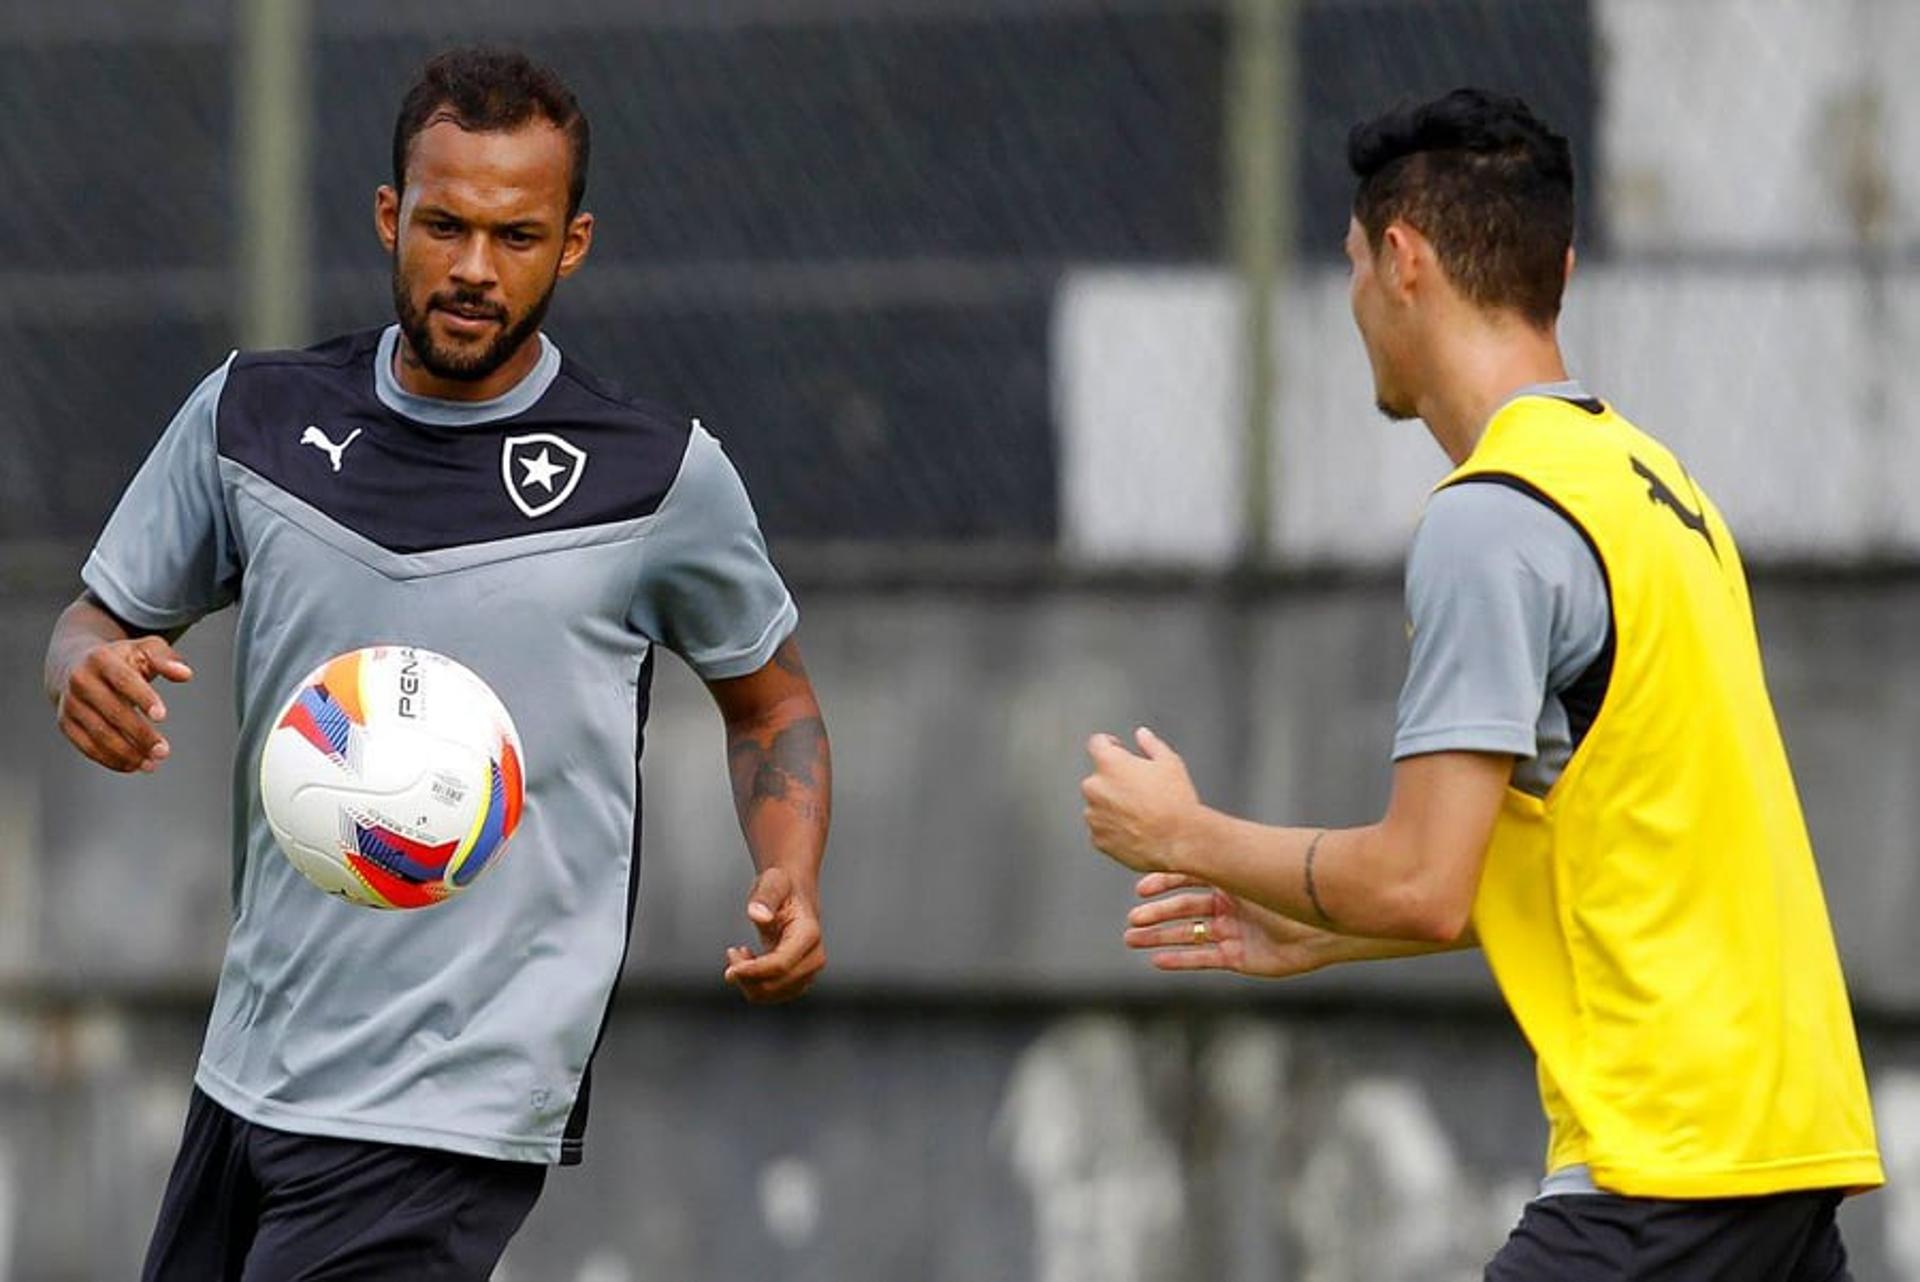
1787, 392
1147, 403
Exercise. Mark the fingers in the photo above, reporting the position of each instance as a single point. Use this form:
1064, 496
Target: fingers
162, 659
100, 741
109, 710
1153, 746
1159, 883
93, 698
782, 974
1107, 752
1176, 934
1164, 927
90, 747
1191, 906
800, 938
1212, 957
736, 955
112, 683
790, 930
127, 679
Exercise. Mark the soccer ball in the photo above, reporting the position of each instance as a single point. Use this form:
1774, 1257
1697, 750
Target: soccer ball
392, 777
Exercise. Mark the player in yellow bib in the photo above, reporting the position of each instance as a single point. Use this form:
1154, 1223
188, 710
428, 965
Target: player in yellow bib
1588, 782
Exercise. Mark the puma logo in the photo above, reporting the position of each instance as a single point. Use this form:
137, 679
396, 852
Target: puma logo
1657, 492
318, 439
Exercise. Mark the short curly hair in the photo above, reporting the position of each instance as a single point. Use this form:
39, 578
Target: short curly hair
1485, 180
486, 90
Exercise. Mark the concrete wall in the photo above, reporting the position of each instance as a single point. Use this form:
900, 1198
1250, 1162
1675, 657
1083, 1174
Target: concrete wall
854, 1142
987, 1086
961, 864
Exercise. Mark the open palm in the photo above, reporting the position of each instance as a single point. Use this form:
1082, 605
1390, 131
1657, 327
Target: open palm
1240, 936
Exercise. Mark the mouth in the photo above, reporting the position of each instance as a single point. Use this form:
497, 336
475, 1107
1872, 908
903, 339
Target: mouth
467, 320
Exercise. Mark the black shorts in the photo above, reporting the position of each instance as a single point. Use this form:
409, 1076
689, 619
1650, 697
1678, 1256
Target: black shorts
1601, 1237
247, 1203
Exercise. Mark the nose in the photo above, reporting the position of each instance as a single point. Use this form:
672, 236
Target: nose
473, 264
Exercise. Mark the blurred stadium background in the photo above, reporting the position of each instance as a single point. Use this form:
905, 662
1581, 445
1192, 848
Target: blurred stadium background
1026, 323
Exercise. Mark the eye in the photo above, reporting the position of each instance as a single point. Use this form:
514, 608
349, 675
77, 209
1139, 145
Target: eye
443, 226
518, 237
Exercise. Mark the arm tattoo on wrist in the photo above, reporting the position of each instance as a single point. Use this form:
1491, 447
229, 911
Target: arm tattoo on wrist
1313, 893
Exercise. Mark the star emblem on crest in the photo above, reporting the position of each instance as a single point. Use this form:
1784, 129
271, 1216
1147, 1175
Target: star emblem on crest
540, 471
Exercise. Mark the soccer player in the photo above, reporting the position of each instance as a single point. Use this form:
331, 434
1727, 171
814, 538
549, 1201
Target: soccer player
380, 1094
1588, 781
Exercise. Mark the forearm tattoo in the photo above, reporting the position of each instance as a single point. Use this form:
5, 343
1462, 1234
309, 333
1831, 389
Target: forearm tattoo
787, 659
790, 765
1313, 892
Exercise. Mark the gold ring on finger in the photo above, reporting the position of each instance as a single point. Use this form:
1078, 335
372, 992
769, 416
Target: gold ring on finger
1200, 935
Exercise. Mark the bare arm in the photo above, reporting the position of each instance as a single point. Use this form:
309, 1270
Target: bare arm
782, 771
1410, 877
99, 674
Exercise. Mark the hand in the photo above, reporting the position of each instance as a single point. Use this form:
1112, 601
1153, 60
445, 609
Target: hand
1137, 805
108, 708
1240, 936
789, 926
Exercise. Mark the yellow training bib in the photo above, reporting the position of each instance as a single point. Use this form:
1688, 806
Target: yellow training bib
1656, 923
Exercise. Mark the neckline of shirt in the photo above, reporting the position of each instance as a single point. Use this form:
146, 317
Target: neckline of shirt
1568, 389
443, 413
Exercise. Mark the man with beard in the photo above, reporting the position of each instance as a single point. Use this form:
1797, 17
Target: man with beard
379, 1094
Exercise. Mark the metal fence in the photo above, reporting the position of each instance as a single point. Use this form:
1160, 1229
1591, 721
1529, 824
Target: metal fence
1026, 323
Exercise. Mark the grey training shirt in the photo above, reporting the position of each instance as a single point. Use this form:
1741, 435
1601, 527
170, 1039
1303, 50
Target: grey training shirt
549, 540
1508, 608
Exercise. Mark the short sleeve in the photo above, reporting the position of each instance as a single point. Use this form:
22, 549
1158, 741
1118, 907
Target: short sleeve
708, 589
167, 555
1505, 602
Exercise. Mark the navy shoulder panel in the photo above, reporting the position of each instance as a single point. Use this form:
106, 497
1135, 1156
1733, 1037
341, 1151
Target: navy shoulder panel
334, 353
311, 423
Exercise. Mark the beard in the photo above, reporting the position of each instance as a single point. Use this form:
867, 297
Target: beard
459, 365
1395, 413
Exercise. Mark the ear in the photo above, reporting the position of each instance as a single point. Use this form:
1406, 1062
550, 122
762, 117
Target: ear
1403, 260
1568, 277
386, 216
579, 239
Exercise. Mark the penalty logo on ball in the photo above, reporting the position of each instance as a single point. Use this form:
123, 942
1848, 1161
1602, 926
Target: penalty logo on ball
392, 777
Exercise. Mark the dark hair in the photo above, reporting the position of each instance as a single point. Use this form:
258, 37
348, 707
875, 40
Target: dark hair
1485, 180
490, 90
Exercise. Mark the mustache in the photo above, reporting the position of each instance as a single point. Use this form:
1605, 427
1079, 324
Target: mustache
475, 304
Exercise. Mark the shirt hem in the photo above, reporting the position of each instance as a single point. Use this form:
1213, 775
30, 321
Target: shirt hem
1572, 1180
1857, 1171
504, 1148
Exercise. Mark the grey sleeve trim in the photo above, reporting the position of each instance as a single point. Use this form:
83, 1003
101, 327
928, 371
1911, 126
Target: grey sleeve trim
1486, 736
741, 663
